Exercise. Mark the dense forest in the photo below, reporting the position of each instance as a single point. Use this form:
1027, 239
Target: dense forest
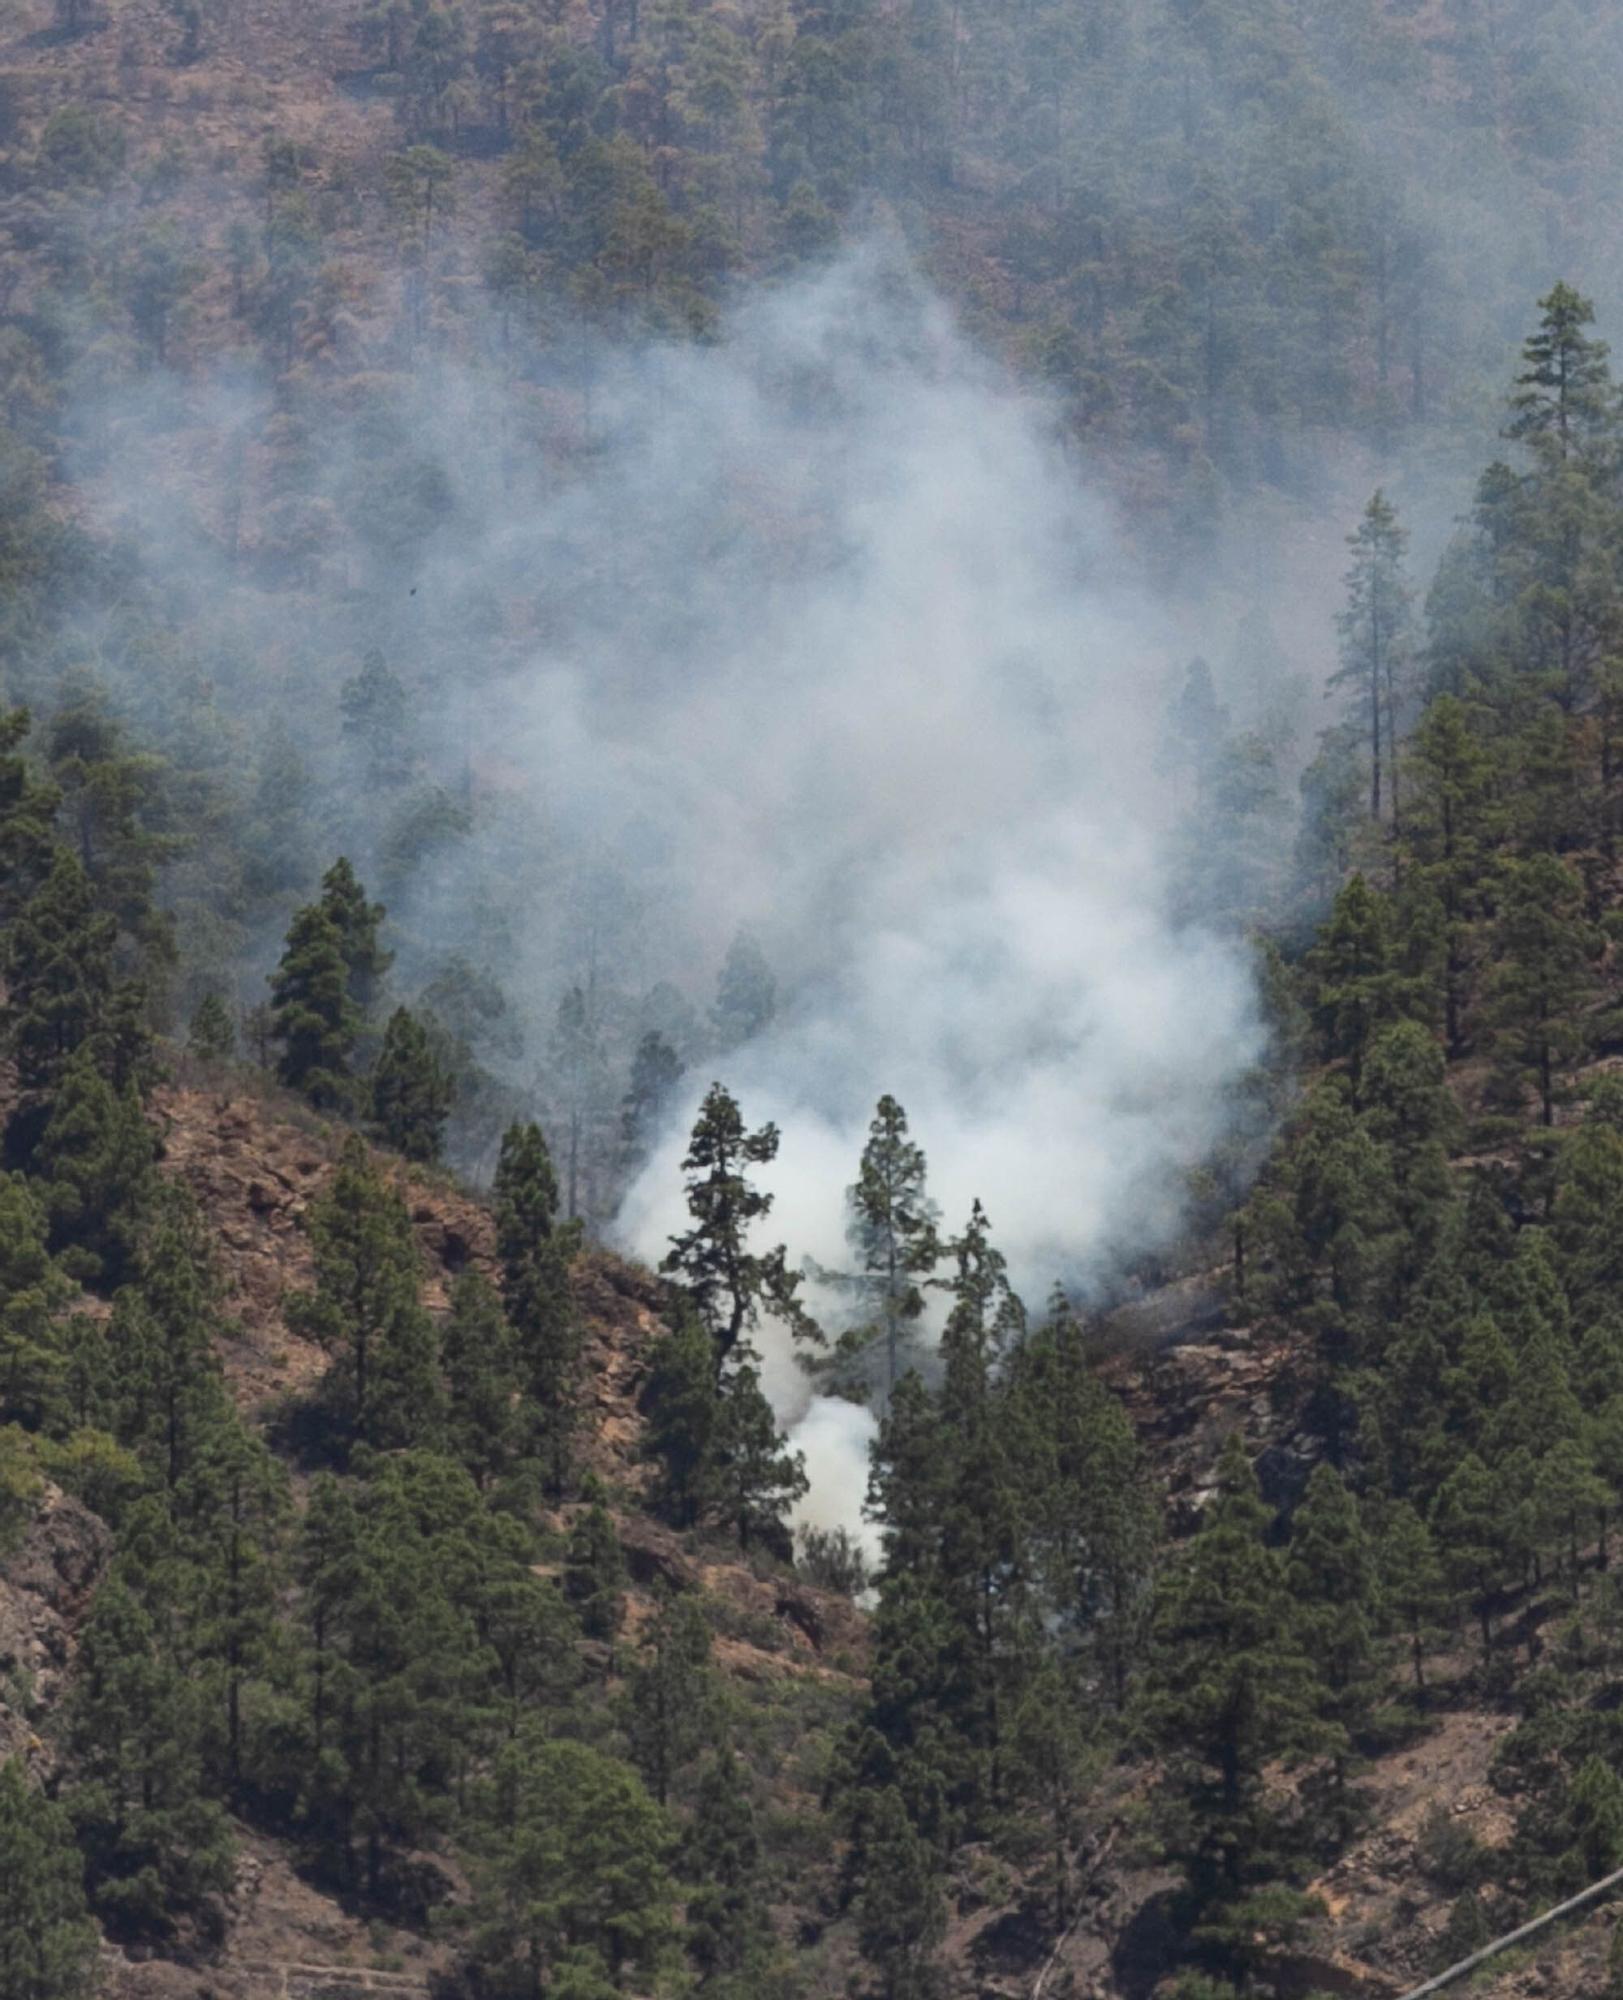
811, 1060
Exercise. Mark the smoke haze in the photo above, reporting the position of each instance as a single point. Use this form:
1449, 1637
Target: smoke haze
817, 633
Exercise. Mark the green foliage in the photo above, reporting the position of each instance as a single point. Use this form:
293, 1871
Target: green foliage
1229, 1690
573, 1884
656, 1070
377, 723
28, 808
1376, 640
34, 1358
1090, 1514
684, 1405
408, 1689
746, 996
357, 922
47, 1942
595, 1573
671, 1694
832, 1559
312, 1014
1468, 1929
1413, 1587
164, 1378
411, 1094
429, 1640
59, 973
155, 1845
481, 1380
367, 1312
1331, 1572
757, 1478
730, 1284
212, 1036
536, 1250
94, 1164
1544, 949
728, 1933
901, 1912
891, 1229
20, 1483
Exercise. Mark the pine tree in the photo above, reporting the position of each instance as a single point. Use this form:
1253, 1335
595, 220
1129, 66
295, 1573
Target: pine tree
94, 1163
1358, 986
670, 1693
1594, 1816
1413, 1589
573, 1892
212, 1036
757, 1477
1091, 1518
1193, 728
1473, 1525
312, 1014
891, 1228
908, 1480
980, 1568
901, 1912
1544, 950
529, 1630
728, 1283
114, 805
411, 1094
1449, 835
481, 1380
1056, 1752
536, 1250
1377, 639
59, 973
327, 1565
578, 1073
1229, 1689
377, 724
366, 1310
1468, 1929
746, 996
236, 1501
595, 1570
166, 1385
28, 809
1587, 1213
656, 1070
1564, 412
34, 1356
908, 1736
155, 1845
1564, 404
729, 1935
47, 1941
684, 1411
390, 1642
1331, 1573
1411, 1114
356, 922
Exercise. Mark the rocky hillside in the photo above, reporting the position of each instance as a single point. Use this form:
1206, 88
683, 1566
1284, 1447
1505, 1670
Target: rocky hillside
255, 1163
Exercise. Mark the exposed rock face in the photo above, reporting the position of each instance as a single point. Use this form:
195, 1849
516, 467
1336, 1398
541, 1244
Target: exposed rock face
255, 1169
45, 1582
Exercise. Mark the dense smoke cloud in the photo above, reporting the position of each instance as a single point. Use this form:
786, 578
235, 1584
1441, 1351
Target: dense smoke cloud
932, 759
814, 631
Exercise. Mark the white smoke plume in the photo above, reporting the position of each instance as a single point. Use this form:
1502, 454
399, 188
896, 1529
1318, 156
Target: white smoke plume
818, 631
922, 768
